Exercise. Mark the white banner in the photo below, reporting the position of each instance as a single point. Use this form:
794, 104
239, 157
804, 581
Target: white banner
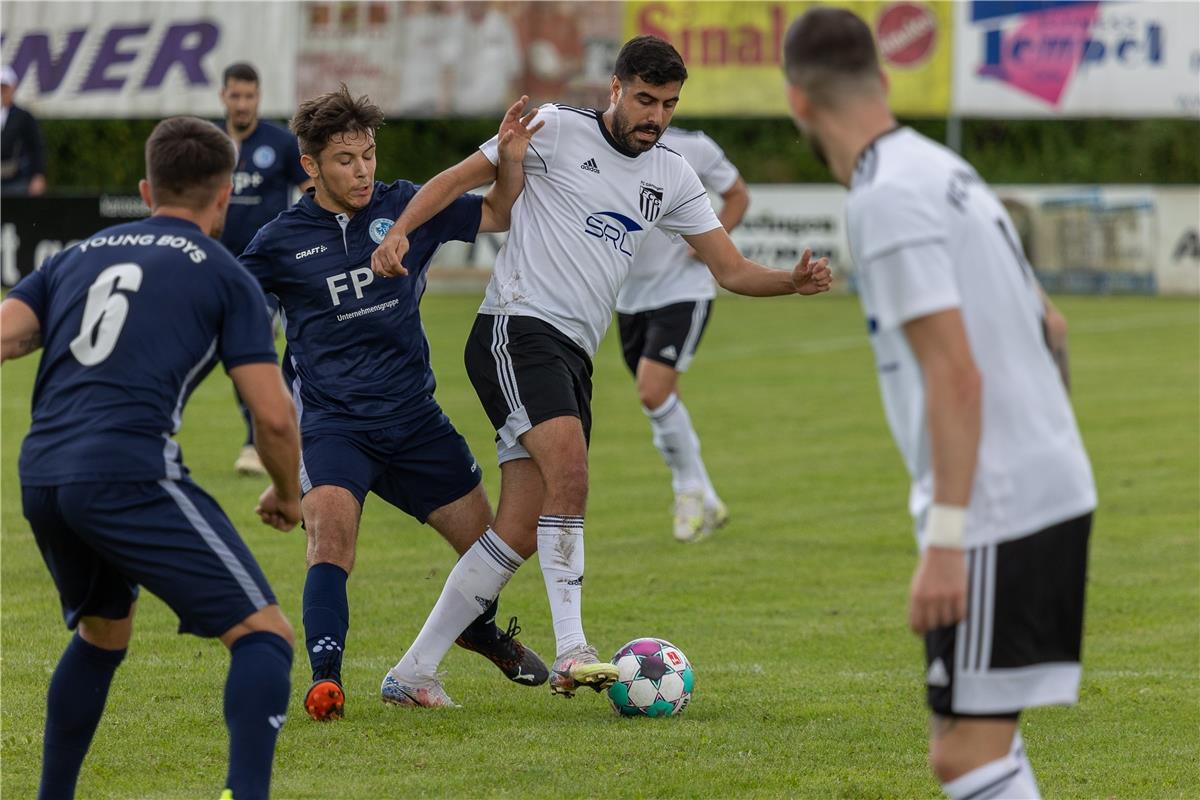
146, 59
1093, 58
1080, 239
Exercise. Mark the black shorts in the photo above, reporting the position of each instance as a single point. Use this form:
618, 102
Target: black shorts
1019, 646
525, 371
668, 335
101, 541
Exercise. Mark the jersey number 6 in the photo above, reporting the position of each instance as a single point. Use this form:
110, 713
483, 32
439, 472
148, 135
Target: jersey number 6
105, 312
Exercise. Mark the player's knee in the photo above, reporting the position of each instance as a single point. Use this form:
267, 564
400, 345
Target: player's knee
269, 619
948, 759
653, 395
107, 634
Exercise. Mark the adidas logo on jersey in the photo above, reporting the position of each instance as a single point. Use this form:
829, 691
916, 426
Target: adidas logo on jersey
937, 675
590, 166
669, 352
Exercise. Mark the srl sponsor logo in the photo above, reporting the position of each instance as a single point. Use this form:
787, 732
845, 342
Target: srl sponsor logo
379, 228
616, 232
312, 251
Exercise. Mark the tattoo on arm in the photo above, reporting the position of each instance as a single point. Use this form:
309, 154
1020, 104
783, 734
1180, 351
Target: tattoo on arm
27, 345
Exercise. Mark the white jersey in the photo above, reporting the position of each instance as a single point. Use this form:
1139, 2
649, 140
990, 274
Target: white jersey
664, 272
927, 235
586, 210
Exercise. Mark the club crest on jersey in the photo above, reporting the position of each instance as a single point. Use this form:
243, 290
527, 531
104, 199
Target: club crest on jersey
263, 157
379, 228
651, 201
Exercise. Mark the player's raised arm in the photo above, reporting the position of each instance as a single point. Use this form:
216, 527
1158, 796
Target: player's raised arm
20, 330
740, 275
277, 440
470, 173
516, 132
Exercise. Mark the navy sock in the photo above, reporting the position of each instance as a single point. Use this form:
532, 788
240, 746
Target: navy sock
326, 619
256, 699
74, 704
246, 417
483, 626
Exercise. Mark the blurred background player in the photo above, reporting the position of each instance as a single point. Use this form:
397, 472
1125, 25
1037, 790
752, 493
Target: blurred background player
359, 366
103, 482
22, 150
551, 298
268, 171
1002, 491
662, 311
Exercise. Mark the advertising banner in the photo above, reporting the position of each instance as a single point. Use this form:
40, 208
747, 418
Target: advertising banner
1079, 239
733, 51
434, 59
145, 59
1094, 58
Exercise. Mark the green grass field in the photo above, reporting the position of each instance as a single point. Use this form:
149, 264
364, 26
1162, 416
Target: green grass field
808, 683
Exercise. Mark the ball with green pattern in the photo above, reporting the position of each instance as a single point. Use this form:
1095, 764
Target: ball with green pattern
654, 679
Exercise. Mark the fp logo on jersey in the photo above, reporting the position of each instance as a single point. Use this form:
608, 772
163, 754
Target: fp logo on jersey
379, 228
651, 201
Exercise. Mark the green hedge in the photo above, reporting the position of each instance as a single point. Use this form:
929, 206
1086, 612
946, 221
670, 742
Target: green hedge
106, 155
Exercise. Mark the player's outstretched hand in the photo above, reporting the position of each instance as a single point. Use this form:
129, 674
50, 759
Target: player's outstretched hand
812, 277
386, 261
516, 131
939, 590
274, 512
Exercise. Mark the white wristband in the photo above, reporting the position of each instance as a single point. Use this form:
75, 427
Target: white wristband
944, 526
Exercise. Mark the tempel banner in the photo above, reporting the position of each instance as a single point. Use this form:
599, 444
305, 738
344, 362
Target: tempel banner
1075, 59
733, 52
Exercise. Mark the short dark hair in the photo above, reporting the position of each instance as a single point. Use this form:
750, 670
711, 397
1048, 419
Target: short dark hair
187, 161
652, 59
239, 71
321, 118
826, 50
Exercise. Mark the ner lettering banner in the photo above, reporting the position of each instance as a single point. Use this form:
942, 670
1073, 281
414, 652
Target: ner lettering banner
733, 51
145, 59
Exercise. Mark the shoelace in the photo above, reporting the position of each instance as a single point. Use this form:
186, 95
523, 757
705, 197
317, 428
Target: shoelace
511, 633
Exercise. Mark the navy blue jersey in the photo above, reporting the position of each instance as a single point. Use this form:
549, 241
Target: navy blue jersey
358, 357
268, 166
132, 319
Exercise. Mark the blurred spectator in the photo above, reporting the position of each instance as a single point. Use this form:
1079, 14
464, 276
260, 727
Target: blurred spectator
22, 153
488, 62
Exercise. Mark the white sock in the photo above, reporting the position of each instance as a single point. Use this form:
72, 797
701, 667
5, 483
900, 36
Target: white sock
1018, 752
472, 585
560, 552
679, 445
1002, 778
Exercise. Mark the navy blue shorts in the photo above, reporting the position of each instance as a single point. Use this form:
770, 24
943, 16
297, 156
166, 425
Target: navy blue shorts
418, 466
102, 540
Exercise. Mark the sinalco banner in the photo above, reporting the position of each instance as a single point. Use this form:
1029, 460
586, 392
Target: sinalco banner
1072, 59
733, 51
146, 59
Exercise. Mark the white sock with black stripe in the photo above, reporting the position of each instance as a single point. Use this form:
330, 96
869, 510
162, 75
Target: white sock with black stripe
679, 445
560, 553
473, 584
1003, 778
1018, 752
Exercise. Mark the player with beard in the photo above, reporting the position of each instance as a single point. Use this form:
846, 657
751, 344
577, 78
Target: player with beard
268, 168
596, 184
975, 394
359, 369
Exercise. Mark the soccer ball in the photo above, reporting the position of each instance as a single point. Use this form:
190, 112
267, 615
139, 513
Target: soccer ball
654, 679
